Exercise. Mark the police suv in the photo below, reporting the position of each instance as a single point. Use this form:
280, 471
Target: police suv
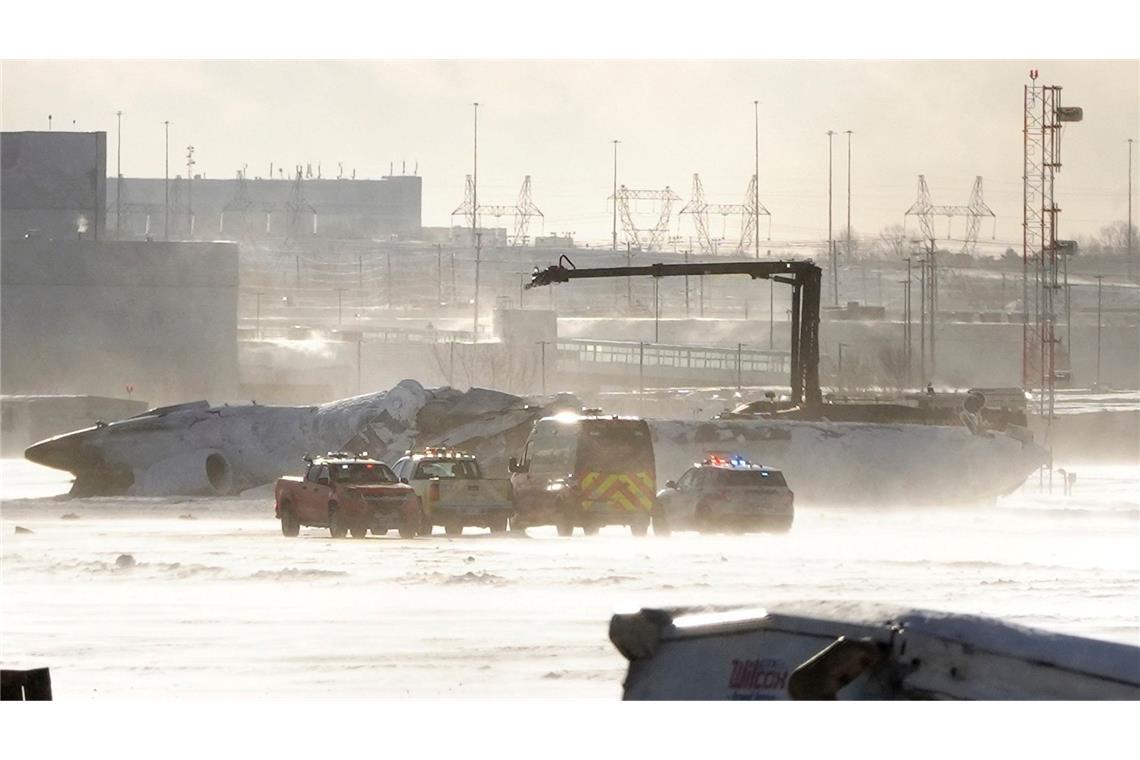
725, 493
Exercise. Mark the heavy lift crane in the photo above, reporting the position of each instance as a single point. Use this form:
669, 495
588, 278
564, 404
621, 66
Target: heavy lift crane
803, 276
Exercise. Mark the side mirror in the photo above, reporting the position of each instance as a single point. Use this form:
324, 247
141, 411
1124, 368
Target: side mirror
670, 484
513, 464
322, 481
404, 481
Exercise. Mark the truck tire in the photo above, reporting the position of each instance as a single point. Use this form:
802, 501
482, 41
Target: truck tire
704, 519
590, 526
565, 519
337, 528
639, 525
359, 532
411, 525
498, 524
453, 529
517, 526
784, 524
290, 525
661, 525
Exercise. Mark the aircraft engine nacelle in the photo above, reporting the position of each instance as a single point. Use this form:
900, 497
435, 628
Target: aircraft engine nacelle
199, 472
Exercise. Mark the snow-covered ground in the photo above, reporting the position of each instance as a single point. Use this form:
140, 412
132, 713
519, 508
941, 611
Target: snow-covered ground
222, 604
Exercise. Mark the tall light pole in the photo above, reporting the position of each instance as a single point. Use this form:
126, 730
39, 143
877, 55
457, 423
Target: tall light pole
922, 319
848, 248
628, 280
543, 343
830, 240
686, 286
190, 190
613, 244
656, 311
756, 173
119, 177
771, 314
388, 278
475, 226
166, 188
906, 325
1099, 279
932, 294
1131, 261
739, 366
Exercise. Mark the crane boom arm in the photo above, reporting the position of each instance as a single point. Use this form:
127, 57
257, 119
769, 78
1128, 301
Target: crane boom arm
804, 277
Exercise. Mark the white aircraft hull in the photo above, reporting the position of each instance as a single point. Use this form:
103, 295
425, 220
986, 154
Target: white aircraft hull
830, 650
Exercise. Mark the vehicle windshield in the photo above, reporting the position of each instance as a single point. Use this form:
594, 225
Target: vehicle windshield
362, 472
747, 478
464, 469
615, 446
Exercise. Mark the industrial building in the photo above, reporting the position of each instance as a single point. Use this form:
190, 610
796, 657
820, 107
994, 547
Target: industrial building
53, 185
267, 209
83, 313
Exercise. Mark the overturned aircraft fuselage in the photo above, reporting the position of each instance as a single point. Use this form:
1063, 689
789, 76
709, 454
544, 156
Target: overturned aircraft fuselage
198, 449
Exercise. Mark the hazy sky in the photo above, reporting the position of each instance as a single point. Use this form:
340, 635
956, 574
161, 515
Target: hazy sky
555, 121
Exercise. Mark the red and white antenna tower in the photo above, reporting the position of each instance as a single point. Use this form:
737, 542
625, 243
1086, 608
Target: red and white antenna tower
1044, 116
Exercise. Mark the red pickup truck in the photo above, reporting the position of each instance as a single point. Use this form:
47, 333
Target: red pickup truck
346, 493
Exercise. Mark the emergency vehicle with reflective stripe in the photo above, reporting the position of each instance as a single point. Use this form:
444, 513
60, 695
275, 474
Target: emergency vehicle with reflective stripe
585, 471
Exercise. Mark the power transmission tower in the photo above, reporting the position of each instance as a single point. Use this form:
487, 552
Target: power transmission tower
753, 210
526, 211
698, 210
466, 209
240, 204
926, 210
296, 207
520, 212
976, 209
748, 211
645, 238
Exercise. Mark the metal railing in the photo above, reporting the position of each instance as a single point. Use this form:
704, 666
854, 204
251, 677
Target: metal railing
738, 359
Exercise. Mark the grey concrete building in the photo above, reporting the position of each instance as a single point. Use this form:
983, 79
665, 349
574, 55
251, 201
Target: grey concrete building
269, 209
87, 317
53, 184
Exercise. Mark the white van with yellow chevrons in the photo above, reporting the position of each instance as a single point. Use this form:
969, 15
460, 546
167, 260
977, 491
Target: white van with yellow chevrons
587, 471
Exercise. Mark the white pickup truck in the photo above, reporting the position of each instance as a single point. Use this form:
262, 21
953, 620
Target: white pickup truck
453, 491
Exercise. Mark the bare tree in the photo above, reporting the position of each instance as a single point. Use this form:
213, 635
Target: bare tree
1114, 237
894, 241
892, 366
504, 366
